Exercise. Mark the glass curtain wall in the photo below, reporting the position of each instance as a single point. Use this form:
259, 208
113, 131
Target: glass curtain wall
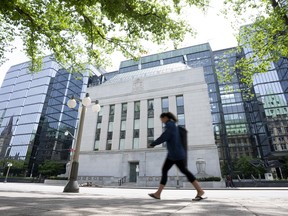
236, 124
50, 142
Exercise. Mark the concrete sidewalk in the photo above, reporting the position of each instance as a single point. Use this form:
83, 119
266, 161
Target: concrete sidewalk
43, 200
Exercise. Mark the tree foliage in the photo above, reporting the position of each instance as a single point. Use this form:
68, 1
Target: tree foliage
285, 168
243, 165
16, 169
264, 40
51, 168
87, 31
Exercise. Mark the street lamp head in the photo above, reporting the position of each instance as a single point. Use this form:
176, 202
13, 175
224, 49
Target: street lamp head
66, 133
72, 103
96, 107
87, 100
9, 164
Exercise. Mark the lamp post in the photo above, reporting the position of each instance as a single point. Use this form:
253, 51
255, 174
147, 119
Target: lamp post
9, 165
72, 185
68, 164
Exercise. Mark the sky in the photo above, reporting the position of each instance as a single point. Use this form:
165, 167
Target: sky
210, 28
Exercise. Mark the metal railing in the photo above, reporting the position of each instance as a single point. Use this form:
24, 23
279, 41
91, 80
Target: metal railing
122, 181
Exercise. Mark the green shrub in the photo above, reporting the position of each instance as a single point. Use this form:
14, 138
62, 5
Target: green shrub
212, 178
57, 178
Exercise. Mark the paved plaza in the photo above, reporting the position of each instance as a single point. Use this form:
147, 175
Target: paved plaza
44, 200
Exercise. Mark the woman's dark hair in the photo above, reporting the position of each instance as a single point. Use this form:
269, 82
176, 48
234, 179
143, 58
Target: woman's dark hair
169, 115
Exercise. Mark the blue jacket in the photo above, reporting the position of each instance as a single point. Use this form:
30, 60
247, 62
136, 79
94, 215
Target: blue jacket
172, 138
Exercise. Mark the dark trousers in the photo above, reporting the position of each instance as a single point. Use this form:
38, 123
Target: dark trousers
182, 167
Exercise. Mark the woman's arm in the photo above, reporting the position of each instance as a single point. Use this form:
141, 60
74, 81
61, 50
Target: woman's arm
165, 136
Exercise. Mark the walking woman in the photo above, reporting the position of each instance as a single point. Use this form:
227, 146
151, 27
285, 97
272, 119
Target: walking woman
176, 155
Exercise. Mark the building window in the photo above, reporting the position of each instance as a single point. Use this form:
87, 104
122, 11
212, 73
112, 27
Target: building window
111, 113
165, 108
122, 144
283, 146
151, 108
96, 145
137, 110
150, 123
109, 145
123, 126
124, 112
180, 110
135, 143
110, 127
136, 127
165, 104
98, 131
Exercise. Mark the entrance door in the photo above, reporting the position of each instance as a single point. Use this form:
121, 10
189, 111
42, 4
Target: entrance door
133, 173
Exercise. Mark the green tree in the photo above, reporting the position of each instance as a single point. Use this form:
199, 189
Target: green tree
51, 168
16, 169
265, 40
285, 168
244, 167
87, 31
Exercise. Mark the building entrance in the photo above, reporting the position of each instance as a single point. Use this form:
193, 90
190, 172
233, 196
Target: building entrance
134, 166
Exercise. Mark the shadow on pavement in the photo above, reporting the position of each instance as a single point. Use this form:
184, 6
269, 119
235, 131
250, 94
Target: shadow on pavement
90, 204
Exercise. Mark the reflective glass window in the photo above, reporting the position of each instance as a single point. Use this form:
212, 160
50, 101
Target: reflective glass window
109, 145
32, 108
150, 64
11, 74
38, 90
181, 119
18, 94
135, 143
112, 110
179, 100
128, 69
35, 99
150, 106
5, 90
30, 118
25, 129
13, 111
22, 86
110, 127
150, 122
96, 145
173, 60
24, 78
40, 82
165, 104
136, 124
8, 82
22, 139
123, 125
16, 102
122, 144
19, 151
137, 106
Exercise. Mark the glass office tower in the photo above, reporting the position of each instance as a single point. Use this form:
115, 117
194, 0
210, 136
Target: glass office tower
34, 115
